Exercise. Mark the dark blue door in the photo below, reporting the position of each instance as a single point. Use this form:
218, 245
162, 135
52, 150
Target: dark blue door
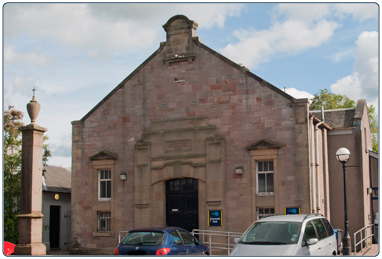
182, 208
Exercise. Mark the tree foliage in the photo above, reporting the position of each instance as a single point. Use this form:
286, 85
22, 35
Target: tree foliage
330, 101
338, 101
12, 171
12, 175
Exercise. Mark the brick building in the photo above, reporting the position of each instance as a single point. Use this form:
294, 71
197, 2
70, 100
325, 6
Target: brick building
190, 132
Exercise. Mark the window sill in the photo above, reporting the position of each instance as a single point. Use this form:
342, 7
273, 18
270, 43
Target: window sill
103, 234
266, 194
104, 199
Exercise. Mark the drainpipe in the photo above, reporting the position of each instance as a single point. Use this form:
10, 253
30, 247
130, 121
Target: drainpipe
312, 166
317, 158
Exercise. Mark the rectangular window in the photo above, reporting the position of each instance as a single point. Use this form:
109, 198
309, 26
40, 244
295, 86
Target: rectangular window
262, 212
104, 179
104, 221
265, 184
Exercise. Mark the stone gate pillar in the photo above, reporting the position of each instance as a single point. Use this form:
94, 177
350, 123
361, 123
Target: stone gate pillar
30, 217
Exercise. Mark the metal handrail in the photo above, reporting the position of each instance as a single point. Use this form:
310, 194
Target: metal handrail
119, 237
362, 239
209, 234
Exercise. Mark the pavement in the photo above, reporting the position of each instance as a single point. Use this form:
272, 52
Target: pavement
372, 250
57, 252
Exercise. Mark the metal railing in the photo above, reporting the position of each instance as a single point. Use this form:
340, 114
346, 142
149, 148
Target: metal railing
362, 239
217, 239
119, 237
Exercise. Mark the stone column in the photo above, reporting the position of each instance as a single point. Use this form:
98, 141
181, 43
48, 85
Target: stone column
30, 217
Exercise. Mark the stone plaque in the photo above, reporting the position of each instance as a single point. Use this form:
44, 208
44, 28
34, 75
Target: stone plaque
180, 145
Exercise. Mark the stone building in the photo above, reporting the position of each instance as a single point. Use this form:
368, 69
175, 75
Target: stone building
190, 133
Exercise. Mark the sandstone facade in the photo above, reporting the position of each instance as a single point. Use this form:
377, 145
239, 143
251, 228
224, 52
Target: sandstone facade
189, 112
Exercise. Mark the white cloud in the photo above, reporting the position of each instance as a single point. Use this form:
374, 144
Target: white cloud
339, 56
105, 29
363, 82
303, 11
313, 12
298, 94
207, 15
22, 85
359, 11
289, 37
13, 57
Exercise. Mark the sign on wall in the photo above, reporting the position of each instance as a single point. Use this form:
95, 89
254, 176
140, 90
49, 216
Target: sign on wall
292, 210
215, 218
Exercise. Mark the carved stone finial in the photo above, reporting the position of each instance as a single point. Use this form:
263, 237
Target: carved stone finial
33, 108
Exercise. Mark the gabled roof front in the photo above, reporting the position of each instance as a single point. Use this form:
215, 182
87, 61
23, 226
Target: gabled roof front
186, 26
103, 155
264, 144
56, 179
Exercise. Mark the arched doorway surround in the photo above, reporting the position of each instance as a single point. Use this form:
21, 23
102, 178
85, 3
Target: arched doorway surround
176, 149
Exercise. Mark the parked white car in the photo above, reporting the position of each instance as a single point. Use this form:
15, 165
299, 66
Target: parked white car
288, 235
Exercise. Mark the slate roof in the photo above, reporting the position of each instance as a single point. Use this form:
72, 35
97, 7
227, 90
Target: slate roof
56, 179
337, 119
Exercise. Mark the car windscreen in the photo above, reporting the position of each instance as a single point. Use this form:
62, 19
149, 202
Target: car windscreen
144, 238
272, 233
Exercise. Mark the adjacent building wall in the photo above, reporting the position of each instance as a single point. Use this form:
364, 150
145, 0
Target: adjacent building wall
358, 141
64, 202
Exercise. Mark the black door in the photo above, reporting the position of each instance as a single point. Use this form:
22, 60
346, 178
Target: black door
54, 227
182, 203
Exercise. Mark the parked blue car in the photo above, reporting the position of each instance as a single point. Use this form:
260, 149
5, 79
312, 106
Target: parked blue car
160, 241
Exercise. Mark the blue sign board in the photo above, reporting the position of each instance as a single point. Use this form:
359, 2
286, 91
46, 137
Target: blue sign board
215, 218
292, 210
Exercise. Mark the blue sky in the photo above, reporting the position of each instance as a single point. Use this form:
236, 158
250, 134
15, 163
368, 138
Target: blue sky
74, 54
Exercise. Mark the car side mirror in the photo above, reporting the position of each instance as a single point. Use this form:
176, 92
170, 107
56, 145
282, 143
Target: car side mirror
312, 241
200, 242
236, 239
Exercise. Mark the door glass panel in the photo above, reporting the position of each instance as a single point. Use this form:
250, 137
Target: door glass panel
177, 185
183, 184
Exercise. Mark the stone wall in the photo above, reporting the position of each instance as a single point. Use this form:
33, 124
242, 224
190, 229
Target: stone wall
218, 109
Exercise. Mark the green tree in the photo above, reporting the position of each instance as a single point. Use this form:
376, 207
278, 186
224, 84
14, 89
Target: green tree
330, 101
12, 175
12, 171
338, 101
373, 126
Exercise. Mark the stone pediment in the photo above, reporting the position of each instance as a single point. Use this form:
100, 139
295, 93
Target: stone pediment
103, 155
264, 144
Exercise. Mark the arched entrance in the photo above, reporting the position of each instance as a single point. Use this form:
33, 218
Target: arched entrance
182, 208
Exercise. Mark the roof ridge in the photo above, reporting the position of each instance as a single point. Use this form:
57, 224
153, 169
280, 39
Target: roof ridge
333, 110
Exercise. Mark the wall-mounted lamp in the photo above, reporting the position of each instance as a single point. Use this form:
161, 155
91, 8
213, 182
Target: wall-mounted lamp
239, 170
123, 176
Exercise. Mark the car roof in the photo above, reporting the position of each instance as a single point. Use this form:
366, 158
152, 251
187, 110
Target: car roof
162, 229
290, 218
